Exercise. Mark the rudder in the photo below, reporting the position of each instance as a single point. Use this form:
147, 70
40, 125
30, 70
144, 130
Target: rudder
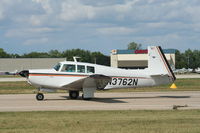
157, 62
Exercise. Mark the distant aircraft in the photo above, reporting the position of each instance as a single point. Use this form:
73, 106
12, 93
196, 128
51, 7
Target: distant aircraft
197, 70
183, 71
86, 77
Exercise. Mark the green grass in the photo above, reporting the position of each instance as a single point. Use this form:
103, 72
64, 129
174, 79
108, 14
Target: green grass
15, 88
10, 76
21, 87
187, 121
25, 88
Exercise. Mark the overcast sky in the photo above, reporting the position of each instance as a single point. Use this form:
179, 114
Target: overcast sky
98, 25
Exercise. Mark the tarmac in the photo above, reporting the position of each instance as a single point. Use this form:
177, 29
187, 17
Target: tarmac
103, 101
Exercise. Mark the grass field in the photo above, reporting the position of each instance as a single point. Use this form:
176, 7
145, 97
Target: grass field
183, 85
187, 121
10, 76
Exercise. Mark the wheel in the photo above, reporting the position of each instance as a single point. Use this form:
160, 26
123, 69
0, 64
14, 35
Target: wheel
73, 94
40, 97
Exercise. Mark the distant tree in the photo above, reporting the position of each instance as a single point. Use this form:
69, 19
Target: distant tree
196, 54
84, 54
36, 55
15, 56
3, 54
193, 58
180, 60
134, 46
55, 54
100, 58
87, 56
188, 59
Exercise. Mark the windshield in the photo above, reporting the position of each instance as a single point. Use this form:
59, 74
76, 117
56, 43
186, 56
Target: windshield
57, 67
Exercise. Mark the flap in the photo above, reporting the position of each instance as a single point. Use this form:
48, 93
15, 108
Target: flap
93, 81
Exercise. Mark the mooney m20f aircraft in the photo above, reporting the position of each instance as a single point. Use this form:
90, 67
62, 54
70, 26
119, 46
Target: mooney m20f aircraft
78, 76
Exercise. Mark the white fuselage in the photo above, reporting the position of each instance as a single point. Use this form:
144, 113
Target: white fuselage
121, 78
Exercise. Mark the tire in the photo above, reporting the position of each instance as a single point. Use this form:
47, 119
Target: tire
73, 94
40, 97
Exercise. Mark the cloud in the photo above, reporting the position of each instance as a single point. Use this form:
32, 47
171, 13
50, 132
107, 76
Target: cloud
1, 14
115, 31
28, 32
37, 41
38, 20
74, 10
73, 21
45, 5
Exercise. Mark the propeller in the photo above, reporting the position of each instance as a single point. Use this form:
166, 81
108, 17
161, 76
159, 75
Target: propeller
23, 73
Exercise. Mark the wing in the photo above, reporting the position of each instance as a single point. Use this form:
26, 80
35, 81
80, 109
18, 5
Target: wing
97, 81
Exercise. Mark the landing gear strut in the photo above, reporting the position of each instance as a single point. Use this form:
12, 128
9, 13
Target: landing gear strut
40, 97
73, 94
85, 98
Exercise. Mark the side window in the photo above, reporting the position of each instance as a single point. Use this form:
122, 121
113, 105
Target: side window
80, 69
90, 69
68, 68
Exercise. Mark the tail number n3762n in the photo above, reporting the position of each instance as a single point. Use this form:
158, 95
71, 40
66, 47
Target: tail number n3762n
124, 81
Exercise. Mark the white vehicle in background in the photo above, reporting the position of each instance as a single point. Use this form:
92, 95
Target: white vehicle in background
197, 70
183, 71
190, 70
86, 77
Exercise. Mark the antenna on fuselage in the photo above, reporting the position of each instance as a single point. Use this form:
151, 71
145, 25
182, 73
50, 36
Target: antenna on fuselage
75, 58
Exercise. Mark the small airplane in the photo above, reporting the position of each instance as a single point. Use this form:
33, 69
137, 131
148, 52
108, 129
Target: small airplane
77, 76
197, 70
183, 71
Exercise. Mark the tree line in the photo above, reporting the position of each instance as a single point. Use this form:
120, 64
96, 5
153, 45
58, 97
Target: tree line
85, 55
187, 59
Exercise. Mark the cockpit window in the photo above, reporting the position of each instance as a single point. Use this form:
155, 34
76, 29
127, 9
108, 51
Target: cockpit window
80, 68
68, 68
90, 69
57, 67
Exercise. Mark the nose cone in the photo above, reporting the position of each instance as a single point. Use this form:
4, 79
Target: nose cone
24, 73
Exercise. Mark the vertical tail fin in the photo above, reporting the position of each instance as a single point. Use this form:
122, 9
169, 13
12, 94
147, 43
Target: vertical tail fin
157, 62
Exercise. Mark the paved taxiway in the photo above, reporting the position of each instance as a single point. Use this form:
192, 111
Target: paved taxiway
102, 101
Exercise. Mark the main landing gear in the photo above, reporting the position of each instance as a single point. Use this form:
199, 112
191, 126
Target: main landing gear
40, 97
73, 94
